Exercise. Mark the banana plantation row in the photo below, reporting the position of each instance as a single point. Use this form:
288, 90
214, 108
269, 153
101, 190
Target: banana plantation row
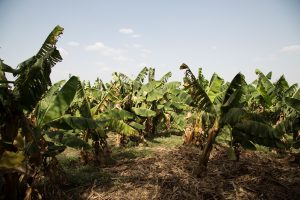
250, 114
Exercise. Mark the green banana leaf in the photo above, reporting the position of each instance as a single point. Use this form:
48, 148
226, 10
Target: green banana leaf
265, 88
269, 75
68, 122
165, 77
233, 116
183, 97
178, 105
291, 90
155, 95
60, 102
138, 81
198, 94
294, 103
201, 79
116, 114
83, 103
172, 87
11, 160
145, 89
280, 87
144, 112
53, 150
297, 94
47, 100
290, 124
137, 125
122, 78
234, 93
33, 75
123, 128
50, 41
259, 133
151, 74
215, 86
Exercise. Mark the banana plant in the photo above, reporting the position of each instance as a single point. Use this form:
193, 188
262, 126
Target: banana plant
32, 80
247, 128
277, 112
53, 109
158, 102
151, 103
87, 116
268, 98
117, 116
207, 99
128, 88
291, 123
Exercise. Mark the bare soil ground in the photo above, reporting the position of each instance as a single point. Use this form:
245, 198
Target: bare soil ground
168, 173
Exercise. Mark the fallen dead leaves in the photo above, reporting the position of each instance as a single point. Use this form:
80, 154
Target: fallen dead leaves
169, 174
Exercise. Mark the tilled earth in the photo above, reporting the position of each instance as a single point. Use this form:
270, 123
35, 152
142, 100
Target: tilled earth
169, 174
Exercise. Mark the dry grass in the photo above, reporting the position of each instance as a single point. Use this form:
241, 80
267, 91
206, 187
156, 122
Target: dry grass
168, 173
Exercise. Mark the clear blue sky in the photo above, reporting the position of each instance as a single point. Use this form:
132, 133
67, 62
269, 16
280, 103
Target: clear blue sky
101, 37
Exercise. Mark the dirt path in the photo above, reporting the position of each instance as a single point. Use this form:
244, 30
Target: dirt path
168, 174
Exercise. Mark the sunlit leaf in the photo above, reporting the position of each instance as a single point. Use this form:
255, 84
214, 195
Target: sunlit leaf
11, 160
144, 112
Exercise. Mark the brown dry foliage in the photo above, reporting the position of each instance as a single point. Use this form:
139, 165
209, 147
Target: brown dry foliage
170, 175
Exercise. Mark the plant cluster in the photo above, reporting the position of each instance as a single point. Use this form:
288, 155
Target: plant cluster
260, 113
32, 109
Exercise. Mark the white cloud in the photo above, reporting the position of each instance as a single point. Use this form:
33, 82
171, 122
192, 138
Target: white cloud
213, 47
95, 47
266, 58
137, 46
62, 51
104, 69
116, 54
136, 36
146, 51
291, 48
73, 43
99, 63
104, 50
123, 59
142, 65
130, 32
126, 31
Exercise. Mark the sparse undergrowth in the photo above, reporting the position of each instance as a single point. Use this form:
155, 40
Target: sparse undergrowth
164, 169
78, 174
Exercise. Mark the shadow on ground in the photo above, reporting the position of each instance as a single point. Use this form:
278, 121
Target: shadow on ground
169, 174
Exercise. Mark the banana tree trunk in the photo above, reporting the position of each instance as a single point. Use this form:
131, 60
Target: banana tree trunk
148, 126
204, 158
11, 189
87, 135
96, 146
155, 122
208, 147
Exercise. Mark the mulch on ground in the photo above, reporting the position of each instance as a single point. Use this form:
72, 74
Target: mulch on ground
169, 174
